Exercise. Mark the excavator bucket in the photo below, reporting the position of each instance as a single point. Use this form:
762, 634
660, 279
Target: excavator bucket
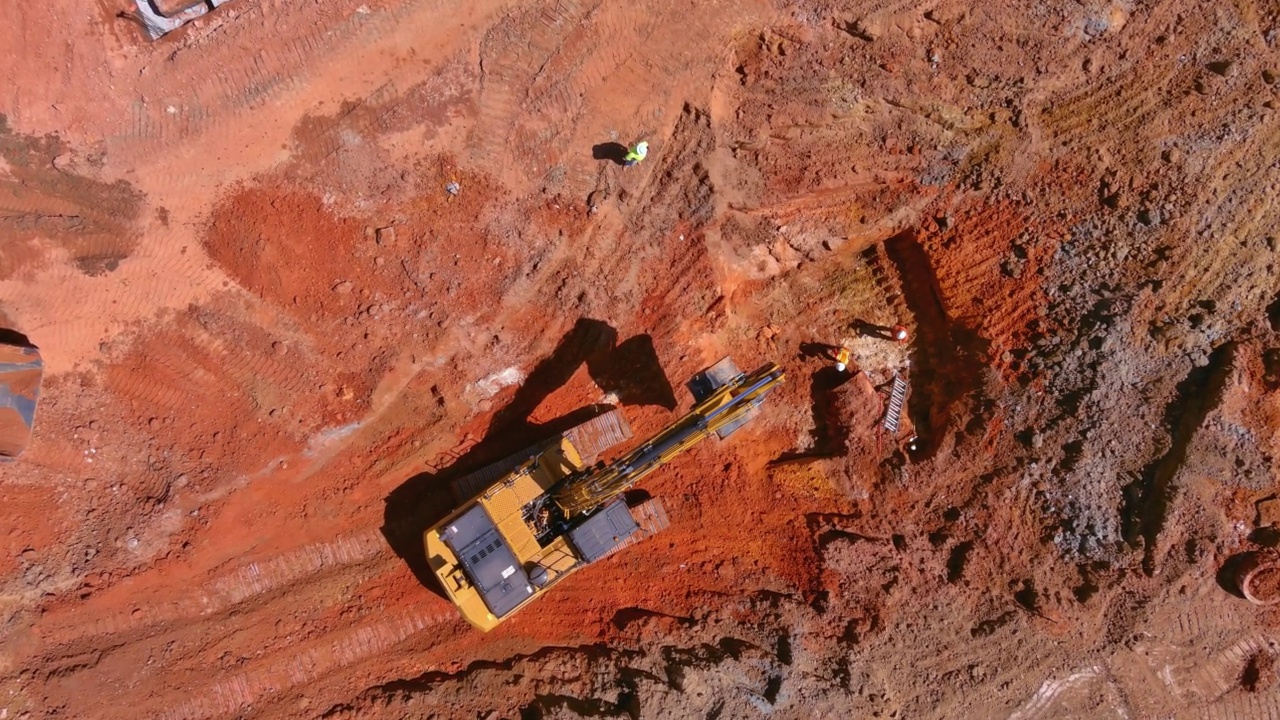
715, 377
21, 370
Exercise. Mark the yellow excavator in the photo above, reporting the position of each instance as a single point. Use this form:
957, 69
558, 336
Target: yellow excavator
531, 520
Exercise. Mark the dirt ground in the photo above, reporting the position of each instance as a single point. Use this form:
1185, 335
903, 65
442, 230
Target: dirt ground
271, 337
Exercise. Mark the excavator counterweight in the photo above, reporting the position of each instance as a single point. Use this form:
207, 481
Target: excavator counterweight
554, 513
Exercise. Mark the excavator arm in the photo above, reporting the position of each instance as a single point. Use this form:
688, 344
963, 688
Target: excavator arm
720, 412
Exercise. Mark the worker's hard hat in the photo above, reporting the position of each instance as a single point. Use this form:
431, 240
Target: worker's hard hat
839, 367
901, 333
642, 148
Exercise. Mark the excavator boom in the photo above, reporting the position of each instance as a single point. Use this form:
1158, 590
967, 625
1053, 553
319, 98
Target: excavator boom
582, 492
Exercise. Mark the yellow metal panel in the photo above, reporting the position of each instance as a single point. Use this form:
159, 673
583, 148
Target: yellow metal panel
557, 462
526, 488
557, 556
519, 537
502, 503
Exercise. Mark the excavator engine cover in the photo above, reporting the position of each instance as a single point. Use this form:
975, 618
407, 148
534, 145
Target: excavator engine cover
490, 565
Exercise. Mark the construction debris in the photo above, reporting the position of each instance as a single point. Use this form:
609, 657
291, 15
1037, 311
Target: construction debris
157, 24
21, 370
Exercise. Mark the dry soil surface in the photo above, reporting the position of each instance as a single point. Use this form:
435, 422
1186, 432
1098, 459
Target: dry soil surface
271, 336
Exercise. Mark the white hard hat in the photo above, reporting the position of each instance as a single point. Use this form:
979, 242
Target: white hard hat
839, 367
642, 148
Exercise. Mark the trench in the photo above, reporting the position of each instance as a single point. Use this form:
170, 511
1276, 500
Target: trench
946, 359
1147, 498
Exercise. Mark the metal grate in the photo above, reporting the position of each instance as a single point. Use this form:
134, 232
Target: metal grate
651, 516
599, 434
483, 552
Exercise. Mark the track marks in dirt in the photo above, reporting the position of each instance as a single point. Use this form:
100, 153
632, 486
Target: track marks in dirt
226, 591
1198, 621
576, 76
195, 96
1222, 671
1121, 104
1245, 708
1118, 96
219, 398
90, 220
182, 376
271, 677
1237, 213
511, 61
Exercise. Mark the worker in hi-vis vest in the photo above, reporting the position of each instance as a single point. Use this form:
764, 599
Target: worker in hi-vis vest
635, 153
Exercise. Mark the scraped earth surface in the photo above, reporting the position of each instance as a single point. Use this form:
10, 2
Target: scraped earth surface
271, 337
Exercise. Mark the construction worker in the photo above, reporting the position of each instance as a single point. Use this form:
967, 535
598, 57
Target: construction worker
884, 332
635, 153
842, 359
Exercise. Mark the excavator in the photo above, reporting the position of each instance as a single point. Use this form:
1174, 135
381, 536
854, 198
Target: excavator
533, 519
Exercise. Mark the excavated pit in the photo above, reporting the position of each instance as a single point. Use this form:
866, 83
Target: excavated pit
294, 269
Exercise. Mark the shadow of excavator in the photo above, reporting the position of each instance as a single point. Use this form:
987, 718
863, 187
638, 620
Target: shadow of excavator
630, 371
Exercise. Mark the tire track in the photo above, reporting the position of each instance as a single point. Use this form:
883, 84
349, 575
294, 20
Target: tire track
250, 369
1221, 672
1242, 215
1243, 708
517, 65
615, 62
176, 378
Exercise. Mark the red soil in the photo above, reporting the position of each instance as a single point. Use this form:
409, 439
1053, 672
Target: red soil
271, 335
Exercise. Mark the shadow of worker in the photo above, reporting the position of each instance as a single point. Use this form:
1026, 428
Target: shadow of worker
629, 371
828, 438
610, 151
824, 351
